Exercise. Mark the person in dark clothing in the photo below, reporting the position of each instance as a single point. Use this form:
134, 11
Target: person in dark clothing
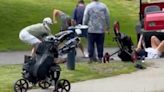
79, 12
78, 18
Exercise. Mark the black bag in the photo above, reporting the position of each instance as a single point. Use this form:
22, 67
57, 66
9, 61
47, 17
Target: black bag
126, 42
126, 48
42, 47
28, 66
42, 66
39, 65
124, 55
45, 47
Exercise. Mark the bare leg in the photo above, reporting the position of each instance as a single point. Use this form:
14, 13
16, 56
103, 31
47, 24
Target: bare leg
33, 49
139, 44
154, 42
160, 47
82, 49
59, 60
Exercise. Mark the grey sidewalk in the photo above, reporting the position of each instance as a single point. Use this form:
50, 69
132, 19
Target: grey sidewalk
148, 80
13, 57
18, 56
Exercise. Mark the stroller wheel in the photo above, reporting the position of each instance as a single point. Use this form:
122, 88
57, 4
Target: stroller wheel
44, 84
63, 85
21, 86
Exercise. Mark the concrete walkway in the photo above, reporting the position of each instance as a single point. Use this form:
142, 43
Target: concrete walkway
148, 80
13, 57
18, 56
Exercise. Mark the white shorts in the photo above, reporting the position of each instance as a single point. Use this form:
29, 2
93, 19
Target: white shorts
26, 37
152, 53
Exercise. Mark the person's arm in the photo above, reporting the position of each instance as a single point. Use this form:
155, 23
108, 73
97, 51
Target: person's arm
74, 17
139, 43
55, 14
50, 33
86, 16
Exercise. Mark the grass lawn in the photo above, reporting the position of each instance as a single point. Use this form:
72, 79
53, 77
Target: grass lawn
84, 71
17, 14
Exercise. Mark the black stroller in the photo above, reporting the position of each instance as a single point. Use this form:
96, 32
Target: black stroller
42, 68
124, 43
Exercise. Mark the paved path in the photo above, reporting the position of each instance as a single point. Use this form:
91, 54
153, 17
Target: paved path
18, 57
148, 80
12, 57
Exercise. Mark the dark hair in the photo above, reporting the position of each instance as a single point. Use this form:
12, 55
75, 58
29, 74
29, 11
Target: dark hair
81, 2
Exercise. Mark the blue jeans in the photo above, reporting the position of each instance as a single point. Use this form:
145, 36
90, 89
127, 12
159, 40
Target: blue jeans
98, 39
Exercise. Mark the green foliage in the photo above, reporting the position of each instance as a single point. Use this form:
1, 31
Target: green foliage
17, 14
11, 73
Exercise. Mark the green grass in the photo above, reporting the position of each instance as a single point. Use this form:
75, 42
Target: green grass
11, 73
17, 14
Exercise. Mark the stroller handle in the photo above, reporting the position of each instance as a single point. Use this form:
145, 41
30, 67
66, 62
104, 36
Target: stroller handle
116, 28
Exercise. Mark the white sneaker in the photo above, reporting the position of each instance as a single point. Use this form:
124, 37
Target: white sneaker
86, 54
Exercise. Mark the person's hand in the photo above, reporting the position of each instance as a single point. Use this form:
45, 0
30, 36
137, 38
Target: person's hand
107, 31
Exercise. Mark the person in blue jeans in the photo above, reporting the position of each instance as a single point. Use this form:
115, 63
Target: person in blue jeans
96, 16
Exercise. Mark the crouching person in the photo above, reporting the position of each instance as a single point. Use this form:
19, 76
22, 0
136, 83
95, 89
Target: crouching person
35, 33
